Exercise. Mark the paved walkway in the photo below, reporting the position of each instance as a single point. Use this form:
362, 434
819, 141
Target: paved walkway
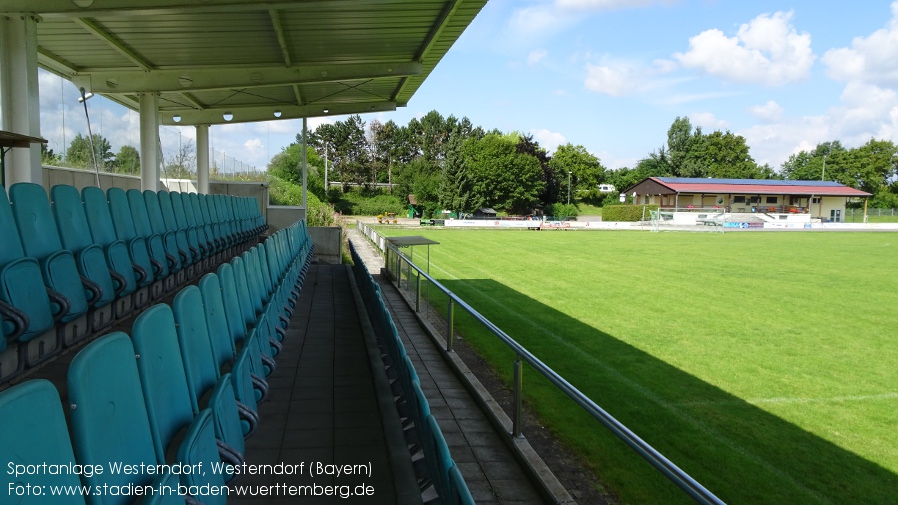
487, 464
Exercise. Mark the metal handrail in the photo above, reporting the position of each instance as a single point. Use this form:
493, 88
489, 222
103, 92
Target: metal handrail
679, 477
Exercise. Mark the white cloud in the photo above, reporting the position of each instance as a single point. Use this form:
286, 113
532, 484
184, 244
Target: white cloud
536, 56
547, 139
770, 111
872, 59
619, 78
602, 5
767, 50
707, 121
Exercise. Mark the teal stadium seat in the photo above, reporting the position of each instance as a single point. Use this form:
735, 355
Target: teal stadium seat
74, 232
118, 255
40, 240
33, 432
25, 306
164, 263
149, 270
109, 419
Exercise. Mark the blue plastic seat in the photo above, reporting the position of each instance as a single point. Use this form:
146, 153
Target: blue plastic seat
205, 383
149, 270
177, 257
40, 240
459, 494
90, 258
118, 254
197, 249
33, 432
200, 448
25, 307
162, 260
237, 331
436, 452
188, 253
109, 418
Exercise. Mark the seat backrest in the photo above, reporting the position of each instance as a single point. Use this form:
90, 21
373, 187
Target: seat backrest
32, 432
71, 220
439, 461
177, 206
168, 213
75, 233
40, 240
231, 301
21, 284
254, 279
196, 346
102, 229
459, 494
154, 212
244, 295
108, 414
162, 376
216, 321
120, 210
199, 448
140, 213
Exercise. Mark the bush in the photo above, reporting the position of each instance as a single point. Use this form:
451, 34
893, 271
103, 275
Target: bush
630, 213
563, 211
369, 203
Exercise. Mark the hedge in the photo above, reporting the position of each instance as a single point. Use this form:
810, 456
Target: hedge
627, 212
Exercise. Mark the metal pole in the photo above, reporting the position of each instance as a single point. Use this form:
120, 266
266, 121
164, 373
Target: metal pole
518, 390
418, 293
450, 317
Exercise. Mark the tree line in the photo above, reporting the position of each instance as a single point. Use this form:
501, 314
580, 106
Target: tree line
126, 161
446, 163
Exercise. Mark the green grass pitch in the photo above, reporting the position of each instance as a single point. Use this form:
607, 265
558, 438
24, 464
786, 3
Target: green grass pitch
764, 364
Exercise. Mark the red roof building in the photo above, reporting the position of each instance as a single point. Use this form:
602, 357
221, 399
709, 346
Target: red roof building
825, 200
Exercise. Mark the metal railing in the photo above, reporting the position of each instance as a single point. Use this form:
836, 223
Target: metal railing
396, 262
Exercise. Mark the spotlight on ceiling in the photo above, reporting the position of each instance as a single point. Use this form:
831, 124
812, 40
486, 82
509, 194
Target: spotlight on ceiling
277, 113
176, 118
227, 116
326, 111
85, 96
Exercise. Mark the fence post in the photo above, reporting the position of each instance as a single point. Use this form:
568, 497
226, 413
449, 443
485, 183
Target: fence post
418, 292
518, 390
450, 318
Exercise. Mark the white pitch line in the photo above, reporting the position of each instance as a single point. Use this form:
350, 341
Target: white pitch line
672, 408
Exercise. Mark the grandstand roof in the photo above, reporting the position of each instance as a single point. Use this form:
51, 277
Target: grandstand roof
672, 185
254, 59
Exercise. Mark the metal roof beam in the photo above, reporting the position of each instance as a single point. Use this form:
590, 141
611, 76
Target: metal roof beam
281, 36
97, 30
267, 113
70, 8
228, 77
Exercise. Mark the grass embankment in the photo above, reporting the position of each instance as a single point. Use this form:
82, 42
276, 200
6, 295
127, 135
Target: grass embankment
761, 363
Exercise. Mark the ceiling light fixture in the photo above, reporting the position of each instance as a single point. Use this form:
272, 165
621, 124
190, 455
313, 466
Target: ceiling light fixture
176, 118
277, 113
227, 116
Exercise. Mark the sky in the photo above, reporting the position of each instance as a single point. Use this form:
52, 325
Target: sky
612, 75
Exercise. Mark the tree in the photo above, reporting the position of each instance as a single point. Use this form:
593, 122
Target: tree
502, 177
586, 170
127, 161
551, 178
48, 157
727, 157
287, 166
78, 154
183, 164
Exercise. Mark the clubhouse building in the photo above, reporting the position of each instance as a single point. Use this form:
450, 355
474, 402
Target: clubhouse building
769, 199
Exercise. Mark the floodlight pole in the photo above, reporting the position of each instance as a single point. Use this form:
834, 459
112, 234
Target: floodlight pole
569, 187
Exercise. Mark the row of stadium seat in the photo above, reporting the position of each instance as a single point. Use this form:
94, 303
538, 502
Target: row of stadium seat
434, 466
76, 262
183, 389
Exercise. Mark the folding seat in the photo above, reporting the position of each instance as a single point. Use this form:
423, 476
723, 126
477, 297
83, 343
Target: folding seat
213, 230
165, 375
203, 233
177, 254
164, 263
189, 254
238, 334
197, 248
109, 421
225, 352
40, 239
118, 254
150, 271
436, 453
74, 232
33, 432
26, 308
459, 494
203, 373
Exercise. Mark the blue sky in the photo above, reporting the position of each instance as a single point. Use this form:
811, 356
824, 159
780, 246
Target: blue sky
612, 75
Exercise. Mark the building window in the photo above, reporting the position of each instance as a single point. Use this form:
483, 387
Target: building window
815, 200
756, 199
738, 199
771, 199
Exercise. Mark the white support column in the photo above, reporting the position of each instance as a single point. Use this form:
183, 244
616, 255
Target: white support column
19, 95
202, 158
305, 171
149, 141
